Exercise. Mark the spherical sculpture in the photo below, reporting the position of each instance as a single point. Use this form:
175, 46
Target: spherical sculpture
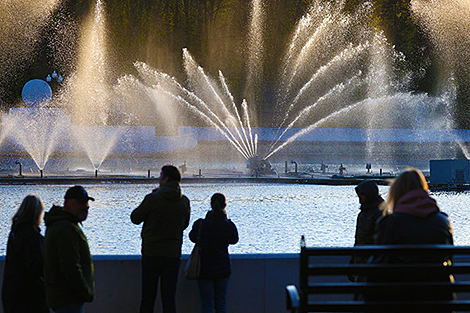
35, 92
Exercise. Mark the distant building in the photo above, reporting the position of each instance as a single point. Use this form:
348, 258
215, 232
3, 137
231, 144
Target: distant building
449, 172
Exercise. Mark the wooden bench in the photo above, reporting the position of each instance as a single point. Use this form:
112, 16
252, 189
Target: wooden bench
324, 285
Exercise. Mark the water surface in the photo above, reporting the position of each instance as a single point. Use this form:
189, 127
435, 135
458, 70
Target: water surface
270, 217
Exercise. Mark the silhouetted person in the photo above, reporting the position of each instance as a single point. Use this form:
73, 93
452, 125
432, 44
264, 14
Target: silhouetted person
68, 265
370, 200
216, 232
23, 280
413, 217
165, 214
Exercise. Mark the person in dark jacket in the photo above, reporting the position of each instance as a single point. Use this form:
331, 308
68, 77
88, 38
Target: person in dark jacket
214, 234
68, 266
165, 213
370, 200
23, 280
413, 217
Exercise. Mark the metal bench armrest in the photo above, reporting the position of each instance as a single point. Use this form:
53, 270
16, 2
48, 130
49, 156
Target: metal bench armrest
292, 299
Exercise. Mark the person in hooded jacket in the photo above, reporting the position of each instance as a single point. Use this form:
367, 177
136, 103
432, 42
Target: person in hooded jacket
214, 234
413, 217
23, 280
68, 267
370, 200
165, 213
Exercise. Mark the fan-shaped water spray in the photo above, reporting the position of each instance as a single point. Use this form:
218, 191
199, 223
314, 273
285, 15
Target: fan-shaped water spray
335, 62
37, 130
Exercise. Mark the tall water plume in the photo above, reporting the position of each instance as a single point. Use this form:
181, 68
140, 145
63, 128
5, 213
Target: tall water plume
90, 85
255, 48
448, 23
448, 26
89, 92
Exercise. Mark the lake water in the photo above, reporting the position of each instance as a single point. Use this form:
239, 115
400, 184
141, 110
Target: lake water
270, 217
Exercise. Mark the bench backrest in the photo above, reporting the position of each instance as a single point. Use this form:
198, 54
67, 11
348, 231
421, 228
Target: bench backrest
393, 280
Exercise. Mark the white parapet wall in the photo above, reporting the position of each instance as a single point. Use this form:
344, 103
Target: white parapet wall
256, 285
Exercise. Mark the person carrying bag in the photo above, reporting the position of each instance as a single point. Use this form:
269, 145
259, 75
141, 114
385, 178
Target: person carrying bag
213, 235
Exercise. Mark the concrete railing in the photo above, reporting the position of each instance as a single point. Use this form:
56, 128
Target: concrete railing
256, 285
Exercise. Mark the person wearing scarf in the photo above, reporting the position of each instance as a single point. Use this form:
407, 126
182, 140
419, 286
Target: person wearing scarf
412, 217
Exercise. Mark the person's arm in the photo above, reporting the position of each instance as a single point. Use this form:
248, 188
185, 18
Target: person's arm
195, 230
141, 213
233, 238
70, 243
188, 215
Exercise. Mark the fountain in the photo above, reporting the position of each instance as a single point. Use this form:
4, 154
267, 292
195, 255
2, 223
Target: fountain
337, 72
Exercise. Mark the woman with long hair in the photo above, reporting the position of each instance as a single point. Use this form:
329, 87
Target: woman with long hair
214, 234
411, 216
23, 281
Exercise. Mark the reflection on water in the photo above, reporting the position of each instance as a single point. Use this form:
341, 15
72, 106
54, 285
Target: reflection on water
270, 217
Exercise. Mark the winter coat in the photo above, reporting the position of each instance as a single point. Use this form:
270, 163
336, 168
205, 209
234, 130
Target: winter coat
217, 232
366, 219
23, 280
165, 214
416, 219
68, 267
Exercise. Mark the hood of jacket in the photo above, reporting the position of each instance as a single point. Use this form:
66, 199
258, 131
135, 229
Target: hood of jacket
56, 214
369, 189
416, 202
170, 190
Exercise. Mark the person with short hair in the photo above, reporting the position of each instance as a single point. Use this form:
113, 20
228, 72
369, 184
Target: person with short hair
23, 279
165, 213
214, 233
68, 267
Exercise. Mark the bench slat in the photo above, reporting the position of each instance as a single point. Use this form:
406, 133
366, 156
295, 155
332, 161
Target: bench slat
396, 306
375, 269
325, 288
389, 250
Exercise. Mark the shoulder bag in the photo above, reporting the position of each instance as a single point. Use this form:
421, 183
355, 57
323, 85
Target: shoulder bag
193, 266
